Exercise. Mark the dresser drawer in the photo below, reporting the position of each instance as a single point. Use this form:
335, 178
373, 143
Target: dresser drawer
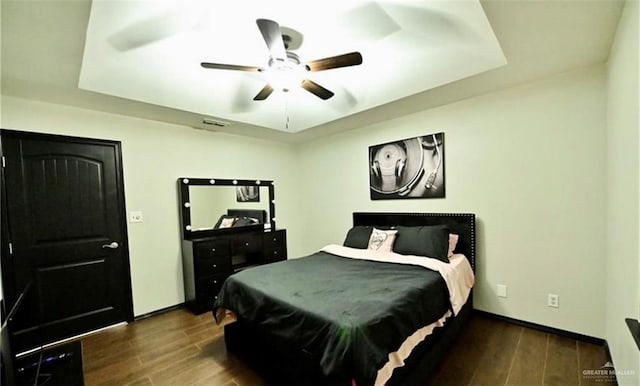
207, 288
211, 257
273, 240
275, 254
246, 245
211, 249
275, 246
212, 265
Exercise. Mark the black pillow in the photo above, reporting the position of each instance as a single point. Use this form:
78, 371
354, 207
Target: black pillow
358, 237
244, 221
430, 240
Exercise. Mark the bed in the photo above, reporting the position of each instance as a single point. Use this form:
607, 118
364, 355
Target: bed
348, 315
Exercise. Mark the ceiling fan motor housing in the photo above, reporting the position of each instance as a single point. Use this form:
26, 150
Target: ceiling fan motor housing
293, 60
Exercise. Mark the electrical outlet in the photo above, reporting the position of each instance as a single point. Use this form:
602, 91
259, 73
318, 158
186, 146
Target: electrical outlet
502, 291
135, 216
553, 301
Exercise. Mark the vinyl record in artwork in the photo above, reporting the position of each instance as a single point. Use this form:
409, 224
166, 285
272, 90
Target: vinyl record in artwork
409, 168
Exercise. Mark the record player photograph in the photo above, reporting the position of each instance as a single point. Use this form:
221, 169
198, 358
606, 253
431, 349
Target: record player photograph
408, 168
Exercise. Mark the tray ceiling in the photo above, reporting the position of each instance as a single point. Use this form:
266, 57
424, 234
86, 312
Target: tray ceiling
151, 52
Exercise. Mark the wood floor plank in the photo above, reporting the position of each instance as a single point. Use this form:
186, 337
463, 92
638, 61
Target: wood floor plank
189, 373
98, 352
186, 370
203, 337
97, 361
166, 348
592, 357
561, 367
162, 362
109, 371
158, 339
458, 367
105, 338
232, 368
145, 381
497, 356
527, 367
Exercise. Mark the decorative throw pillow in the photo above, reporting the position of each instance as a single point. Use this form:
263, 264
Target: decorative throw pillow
381, 240
430, 241
453, 241
358, 237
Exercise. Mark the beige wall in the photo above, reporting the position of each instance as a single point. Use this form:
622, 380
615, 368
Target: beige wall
154, 156
623, 194
529, 161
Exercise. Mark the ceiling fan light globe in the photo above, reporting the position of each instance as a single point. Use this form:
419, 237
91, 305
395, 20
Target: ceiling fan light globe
286, 76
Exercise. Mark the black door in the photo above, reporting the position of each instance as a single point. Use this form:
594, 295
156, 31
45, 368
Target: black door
64, 210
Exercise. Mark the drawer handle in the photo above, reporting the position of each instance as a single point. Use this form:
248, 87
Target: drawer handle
274, 239
213, 249
215, 266
215, 282
216, 297
275, 252
246, 244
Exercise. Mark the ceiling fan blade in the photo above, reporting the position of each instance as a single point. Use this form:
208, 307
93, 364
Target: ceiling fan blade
345, 60
264, 93
219, 66
272, 35
316, 89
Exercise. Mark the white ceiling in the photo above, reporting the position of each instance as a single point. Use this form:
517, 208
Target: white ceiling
43, 45
151, 52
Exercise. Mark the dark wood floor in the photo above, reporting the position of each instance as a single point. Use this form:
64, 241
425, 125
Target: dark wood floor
178, 348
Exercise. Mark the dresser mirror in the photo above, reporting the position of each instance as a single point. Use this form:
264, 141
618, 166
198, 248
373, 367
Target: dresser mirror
203, 201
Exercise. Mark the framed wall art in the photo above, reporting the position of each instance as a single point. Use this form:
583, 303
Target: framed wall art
408, 168
247, 193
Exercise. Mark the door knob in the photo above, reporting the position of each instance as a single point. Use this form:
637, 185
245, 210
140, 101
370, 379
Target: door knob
113, 245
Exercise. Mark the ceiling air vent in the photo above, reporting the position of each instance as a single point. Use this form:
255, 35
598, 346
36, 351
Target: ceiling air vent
213, 122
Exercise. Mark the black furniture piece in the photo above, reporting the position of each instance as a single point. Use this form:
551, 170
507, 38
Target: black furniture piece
55, 365
58, 366
284, 363
208, 261
210, 255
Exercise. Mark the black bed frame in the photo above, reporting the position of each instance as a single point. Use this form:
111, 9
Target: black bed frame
282, 364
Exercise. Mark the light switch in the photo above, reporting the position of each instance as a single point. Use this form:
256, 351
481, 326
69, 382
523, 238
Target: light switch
135, 216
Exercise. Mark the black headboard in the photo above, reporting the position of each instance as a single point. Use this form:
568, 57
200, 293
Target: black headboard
260, 214
462, 224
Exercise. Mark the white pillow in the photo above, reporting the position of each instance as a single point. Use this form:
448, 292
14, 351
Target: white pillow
382, 240
227, 222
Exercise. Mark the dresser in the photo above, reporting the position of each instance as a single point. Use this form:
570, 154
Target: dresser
208, 261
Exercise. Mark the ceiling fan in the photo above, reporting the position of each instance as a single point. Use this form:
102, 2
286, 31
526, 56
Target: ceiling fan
284, 65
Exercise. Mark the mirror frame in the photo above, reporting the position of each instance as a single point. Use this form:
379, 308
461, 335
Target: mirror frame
185, 204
